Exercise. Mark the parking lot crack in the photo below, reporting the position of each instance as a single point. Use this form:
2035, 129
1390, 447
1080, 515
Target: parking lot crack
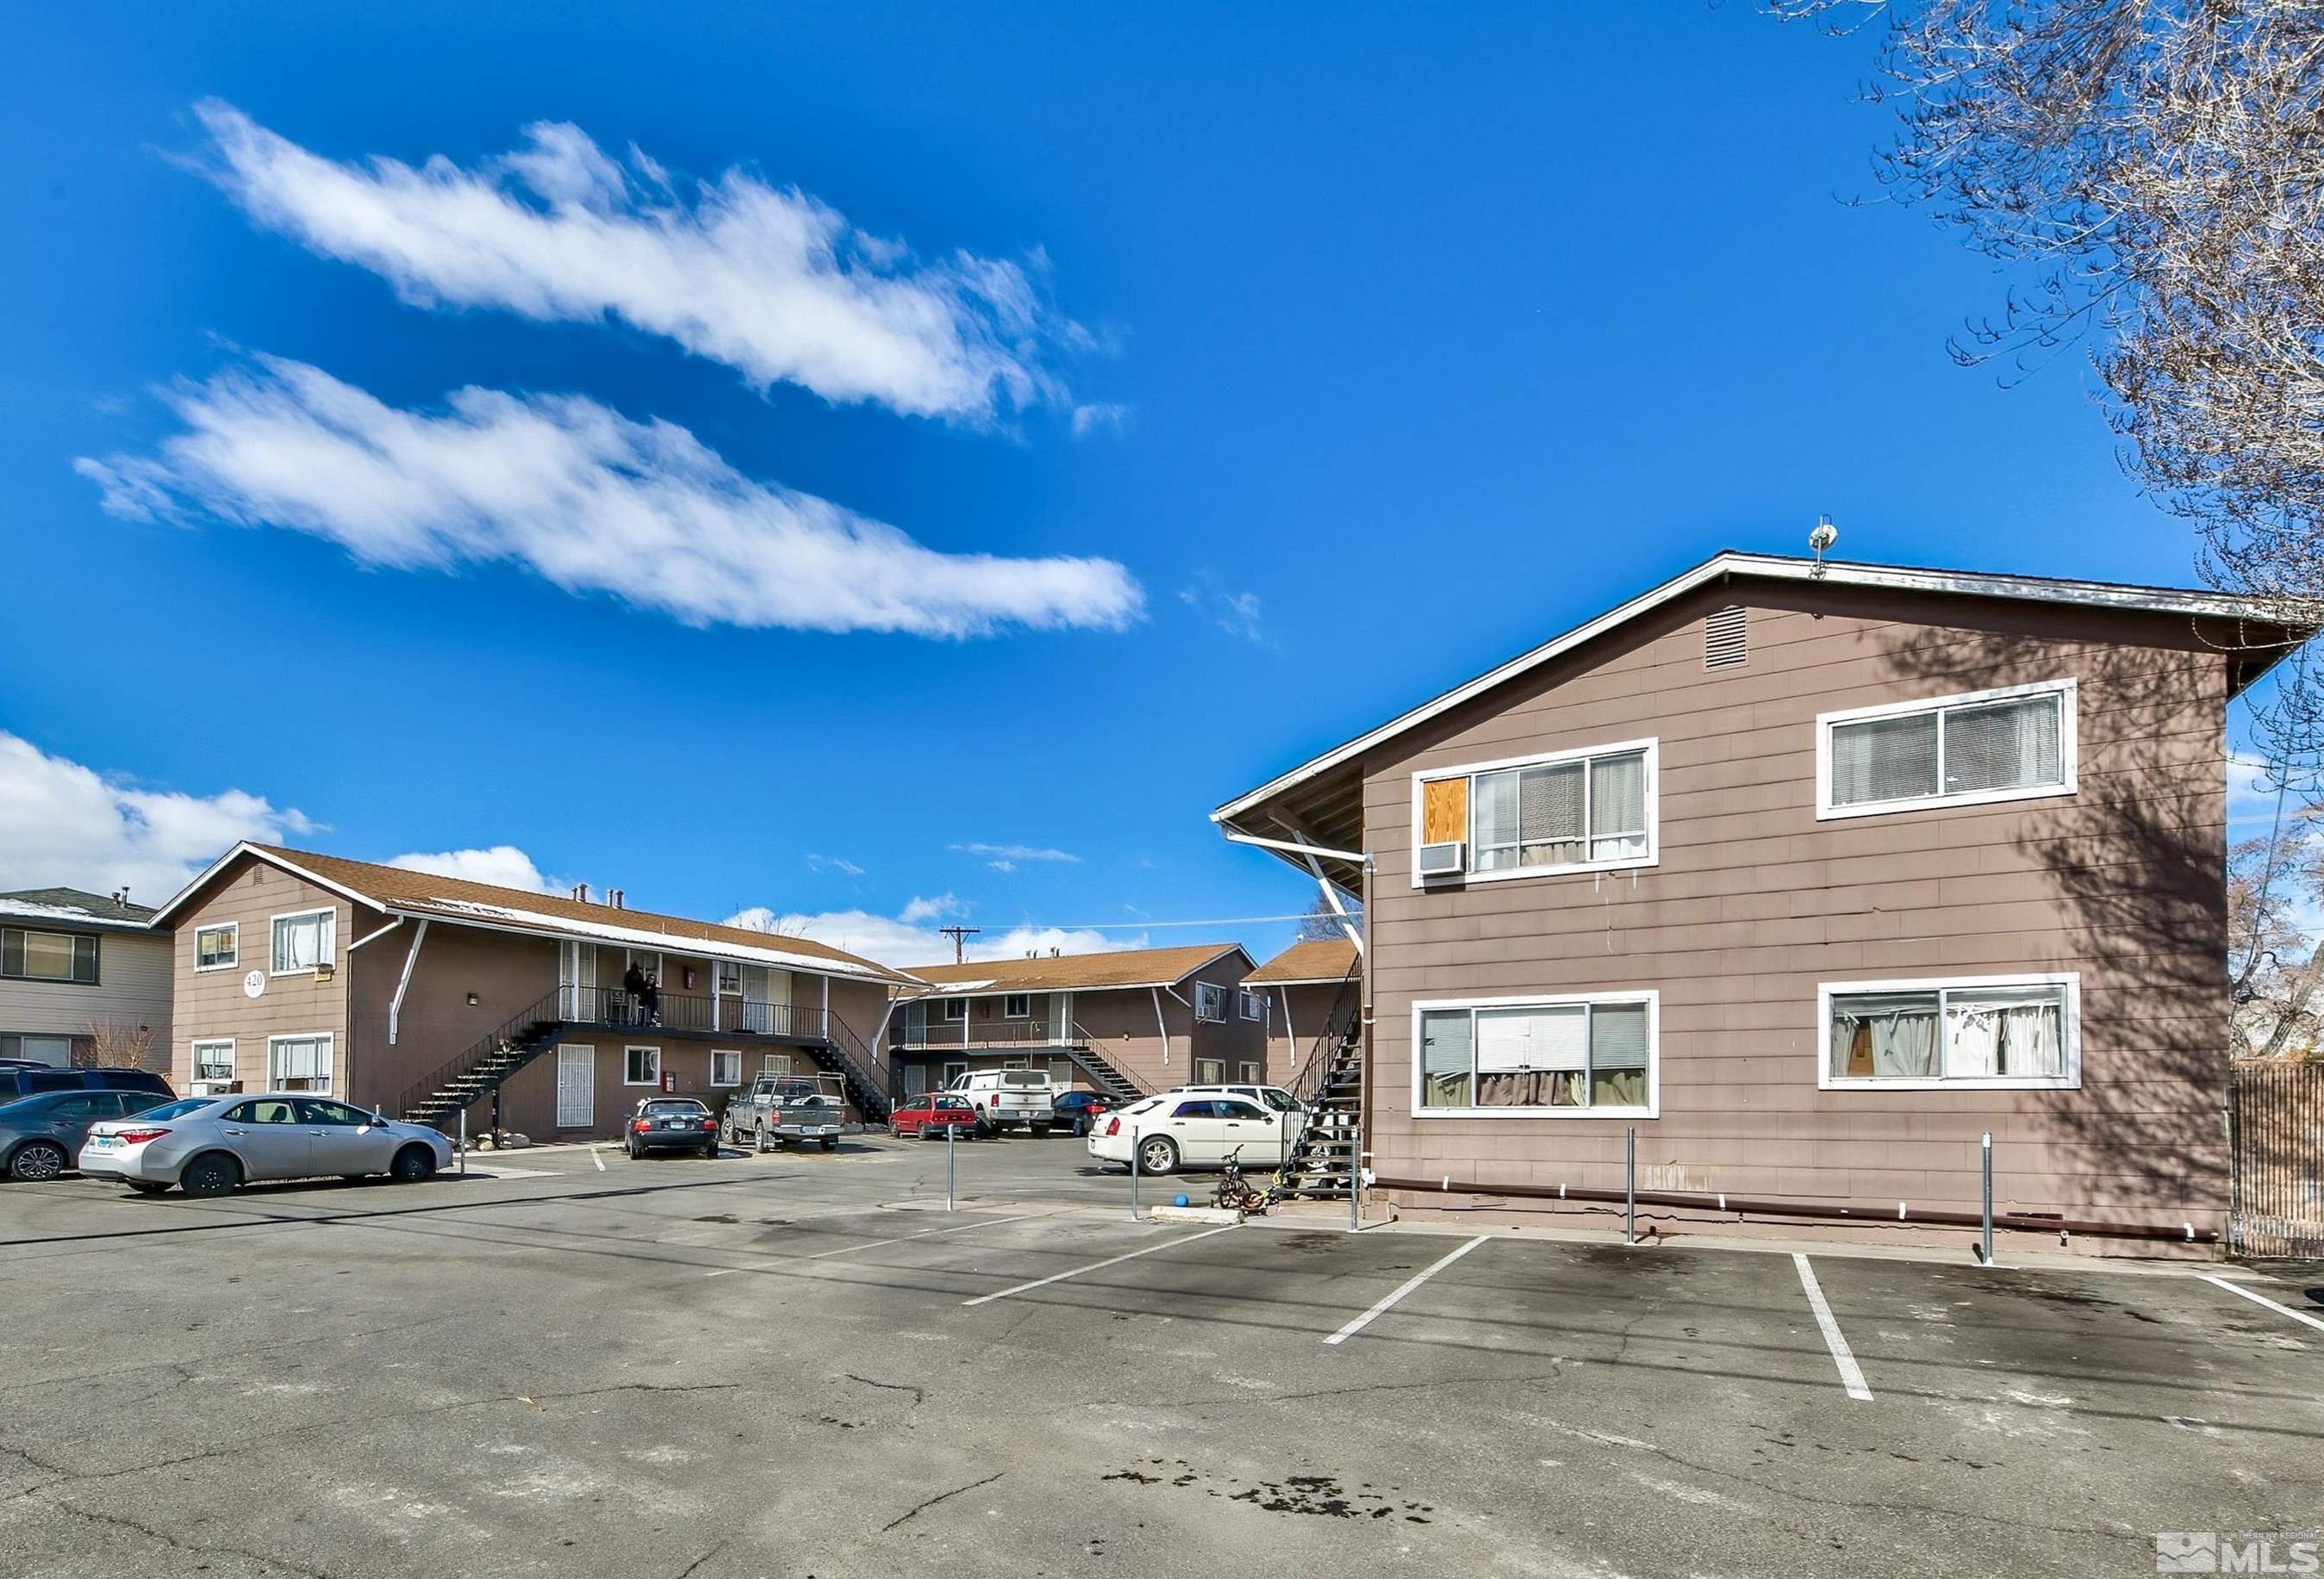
196, 1548
919, 1508
919, 1394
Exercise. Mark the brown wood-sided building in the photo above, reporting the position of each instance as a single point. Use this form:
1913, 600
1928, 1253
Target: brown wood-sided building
1812, 873
385, 987
1125, 1022
1314, 990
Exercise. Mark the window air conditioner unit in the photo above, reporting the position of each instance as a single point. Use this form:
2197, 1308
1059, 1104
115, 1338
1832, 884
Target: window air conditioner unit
213, 1088
1443, 860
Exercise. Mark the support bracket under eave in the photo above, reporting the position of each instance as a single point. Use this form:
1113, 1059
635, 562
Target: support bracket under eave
403, 982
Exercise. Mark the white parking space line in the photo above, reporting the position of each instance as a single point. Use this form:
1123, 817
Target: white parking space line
1851, 1375
1406, 1287
923, 1234
502, 1170
594, 1157
1096, 1266
2299, 1316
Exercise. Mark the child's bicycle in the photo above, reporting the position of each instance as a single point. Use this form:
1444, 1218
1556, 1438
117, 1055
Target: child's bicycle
1237, 1194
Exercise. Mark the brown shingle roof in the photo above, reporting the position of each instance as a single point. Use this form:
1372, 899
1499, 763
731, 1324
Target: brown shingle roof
1316, 959
456, 899
1078, 972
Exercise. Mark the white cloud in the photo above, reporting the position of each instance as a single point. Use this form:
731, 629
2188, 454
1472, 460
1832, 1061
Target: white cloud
765, 280
584, 496
899, 940
1236, 613
1004, 858
62, 824
818, 863
1109, 415
503, 865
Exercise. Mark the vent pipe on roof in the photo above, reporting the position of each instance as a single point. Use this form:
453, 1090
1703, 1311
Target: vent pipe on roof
581, 892
613, 898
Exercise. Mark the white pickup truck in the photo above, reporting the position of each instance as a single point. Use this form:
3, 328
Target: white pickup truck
1009, 1098
786, 1108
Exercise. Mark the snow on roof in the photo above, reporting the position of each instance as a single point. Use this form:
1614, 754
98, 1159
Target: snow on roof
660, 942
29, 910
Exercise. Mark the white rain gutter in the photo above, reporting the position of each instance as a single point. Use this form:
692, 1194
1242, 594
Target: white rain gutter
404, 983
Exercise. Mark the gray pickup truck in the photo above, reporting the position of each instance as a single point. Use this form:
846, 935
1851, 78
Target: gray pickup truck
776, 1108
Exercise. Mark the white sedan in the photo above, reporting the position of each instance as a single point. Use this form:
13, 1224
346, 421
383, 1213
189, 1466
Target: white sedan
1183, 1130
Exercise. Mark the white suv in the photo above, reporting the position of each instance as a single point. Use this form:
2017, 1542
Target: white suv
1273, 1098
1198, 1127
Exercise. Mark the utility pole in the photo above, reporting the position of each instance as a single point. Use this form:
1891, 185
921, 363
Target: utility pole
960, 936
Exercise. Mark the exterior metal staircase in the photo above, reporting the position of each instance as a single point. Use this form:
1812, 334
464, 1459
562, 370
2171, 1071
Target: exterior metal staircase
843, 1054
487, 1065
1120, 1089
1330, 1086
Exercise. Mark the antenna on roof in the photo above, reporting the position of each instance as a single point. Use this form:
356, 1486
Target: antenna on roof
960, 936
1824, 535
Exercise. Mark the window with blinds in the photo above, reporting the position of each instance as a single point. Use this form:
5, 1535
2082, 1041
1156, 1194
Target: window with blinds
1593, 808
1989, 1031
1989, 746
1575, 1056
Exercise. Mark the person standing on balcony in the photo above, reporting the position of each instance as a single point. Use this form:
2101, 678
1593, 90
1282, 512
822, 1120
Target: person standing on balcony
652, 995
634, 982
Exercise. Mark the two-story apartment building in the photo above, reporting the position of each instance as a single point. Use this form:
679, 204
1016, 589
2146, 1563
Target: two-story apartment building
424, 996
1125, 1022
1812, 875
83, 979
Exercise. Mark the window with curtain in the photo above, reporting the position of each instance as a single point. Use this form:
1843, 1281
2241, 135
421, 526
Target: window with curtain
1557, 1055
299, 1063
1209, 1001
1932, 1032
214, 1061
302, 942
1581, 810
37, 956
641, 1066
217, 948
726, 1068
1967, 748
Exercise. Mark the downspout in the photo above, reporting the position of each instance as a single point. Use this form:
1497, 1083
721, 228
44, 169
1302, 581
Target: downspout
1162, 1025
403, 982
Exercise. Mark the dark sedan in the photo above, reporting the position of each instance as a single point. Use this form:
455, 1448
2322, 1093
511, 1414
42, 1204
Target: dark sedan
1078, 1110
41, 1136
671, 1124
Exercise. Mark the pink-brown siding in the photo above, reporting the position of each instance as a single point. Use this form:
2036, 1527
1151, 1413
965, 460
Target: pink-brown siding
1753, 902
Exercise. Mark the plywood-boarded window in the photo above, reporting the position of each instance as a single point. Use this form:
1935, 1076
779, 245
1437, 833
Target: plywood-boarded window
1444, 811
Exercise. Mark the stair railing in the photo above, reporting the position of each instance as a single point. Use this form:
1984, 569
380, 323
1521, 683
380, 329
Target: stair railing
1086, 1043
509, 1035
853, 1056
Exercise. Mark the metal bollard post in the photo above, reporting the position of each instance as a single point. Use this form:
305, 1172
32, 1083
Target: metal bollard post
952, 1162
1985, 1253
1355, 1182
1133, 1174
463, 1142
1630, 1185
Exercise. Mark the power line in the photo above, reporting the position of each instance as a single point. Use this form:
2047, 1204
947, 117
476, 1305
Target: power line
1103, 926
960, 936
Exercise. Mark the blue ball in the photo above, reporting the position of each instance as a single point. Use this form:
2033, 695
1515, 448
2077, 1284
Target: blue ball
1178, 1201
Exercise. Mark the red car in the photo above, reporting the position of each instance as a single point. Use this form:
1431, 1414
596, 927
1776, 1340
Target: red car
931, 1113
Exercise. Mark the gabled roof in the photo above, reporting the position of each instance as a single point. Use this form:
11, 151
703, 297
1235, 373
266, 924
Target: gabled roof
400, 892
75, 907
1316, 959
1123, 967
2271, 621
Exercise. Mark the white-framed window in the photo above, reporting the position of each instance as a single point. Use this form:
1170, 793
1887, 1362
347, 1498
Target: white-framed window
2013, 744
775, 1063
299, 1063
1254, 1003
303, 941
1209, 1001
955, 1008
1248, 1073
730, 977
1210, 1072
1017, 1006
1588, 810
214, 1059
30, 955
219, 947
641, 1066
2021, 1032
1570, 1056
726, 1067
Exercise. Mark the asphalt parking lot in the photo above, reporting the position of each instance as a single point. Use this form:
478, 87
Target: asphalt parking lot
802, 1364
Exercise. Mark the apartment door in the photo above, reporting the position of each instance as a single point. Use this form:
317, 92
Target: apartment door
576, 1087
577, 977
916, 1079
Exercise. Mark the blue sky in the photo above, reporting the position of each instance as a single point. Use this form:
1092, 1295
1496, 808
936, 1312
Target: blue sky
953, 573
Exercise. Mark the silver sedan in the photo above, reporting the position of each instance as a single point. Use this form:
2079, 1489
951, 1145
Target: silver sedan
212, 1145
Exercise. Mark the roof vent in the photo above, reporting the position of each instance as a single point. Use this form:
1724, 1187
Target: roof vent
581, 892
613, 897
1725, 638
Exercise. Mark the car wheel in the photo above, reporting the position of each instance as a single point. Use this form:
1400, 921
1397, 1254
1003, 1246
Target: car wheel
36, 1161
212, 1174
412, 1165
831, 1143
1158, 1155
1040, 1131
710, 1152
145, 1186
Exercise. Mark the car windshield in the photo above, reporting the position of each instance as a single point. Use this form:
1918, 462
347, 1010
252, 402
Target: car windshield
1279, 1100
1148, 1106
178, 1109
686, 1107
1024, 1078
26, 1107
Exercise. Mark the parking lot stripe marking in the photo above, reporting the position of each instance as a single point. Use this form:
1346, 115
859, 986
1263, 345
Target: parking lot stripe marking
2301, 1316
923, 1234
594, 1157
1401, 1289
1095, 1266
1851, 1375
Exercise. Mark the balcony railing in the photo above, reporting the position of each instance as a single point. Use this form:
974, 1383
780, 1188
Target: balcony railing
617, 1008
938, 1035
